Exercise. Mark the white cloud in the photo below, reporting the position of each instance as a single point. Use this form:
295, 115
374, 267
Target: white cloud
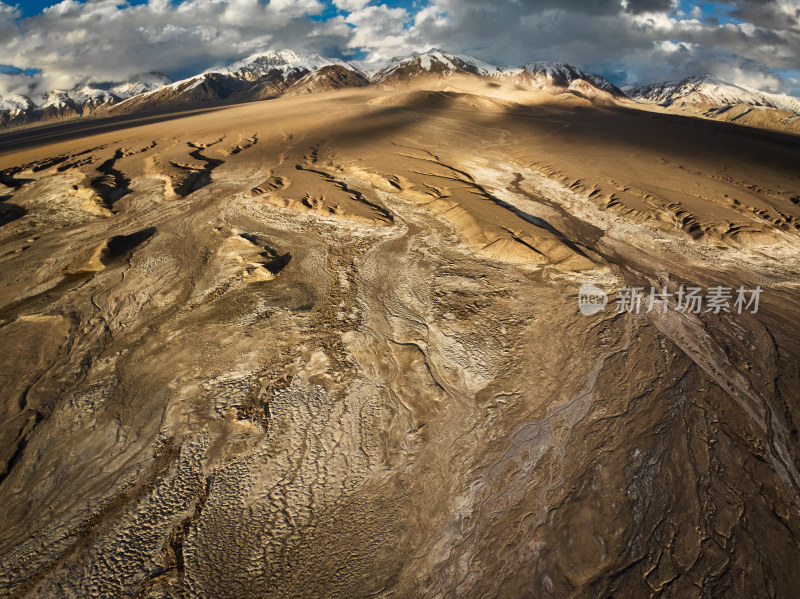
381, 31
350, 5
634, 37
749, 78
108, 41
18, 84
8, 28
647, 39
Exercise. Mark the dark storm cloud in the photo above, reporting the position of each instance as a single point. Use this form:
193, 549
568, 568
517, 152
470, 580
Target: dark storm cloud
775, 14
640, 6
590, 7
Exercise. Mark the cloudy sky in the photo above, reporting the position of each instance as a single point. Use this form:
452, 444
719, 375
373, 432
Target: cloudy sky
46, 45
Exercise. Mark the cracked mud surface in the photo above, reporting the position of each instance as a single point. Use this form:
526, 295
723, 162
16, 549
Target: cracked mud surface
332, 349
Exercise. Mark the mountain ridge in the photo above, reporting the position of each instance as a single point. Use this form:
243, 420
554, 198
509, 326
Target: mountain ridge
709, 91
270, 74
82, 100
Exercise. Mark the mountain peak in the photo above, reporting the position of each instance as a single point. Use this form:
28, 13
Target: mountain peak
258, 65
707, 91
271, 73
553, 70
284, 56
436, 51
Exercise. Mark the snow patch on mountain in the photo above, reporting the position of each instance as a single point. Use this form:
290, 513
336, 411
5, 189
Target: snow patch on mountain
707, 91
57, 99
16, 105
258, 65
368, 68
140, 84
433, 61
270, 74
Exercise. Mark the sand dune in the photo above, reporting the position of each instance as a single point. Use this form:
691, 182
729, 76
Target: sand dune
329, 346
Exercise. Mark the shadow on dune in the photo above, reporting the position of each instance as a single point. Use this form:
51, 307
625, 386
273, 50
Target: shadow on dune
10, 213
693, 139
41, 135
121, 246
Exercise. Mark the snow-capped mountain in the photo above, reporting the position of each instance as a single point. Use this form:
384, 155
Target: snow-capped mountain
91, 98
328, 78
556, 76
274, 73
557, 73
16, 103
368, 68
257, 77
15, 110
706, 92
82, 100
57, 104
433, 62
256, 66
139, 85
271, 74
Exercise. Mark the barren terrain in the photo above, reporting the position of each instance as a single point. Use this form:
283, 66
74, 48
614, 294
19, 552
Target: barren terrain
330, 346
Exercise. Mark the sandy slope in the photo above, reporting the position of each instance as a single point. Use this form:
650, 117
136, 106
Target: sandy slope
329, 346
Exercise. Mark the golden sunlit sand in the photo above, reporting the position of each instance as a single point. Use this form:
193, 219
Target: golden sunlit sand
329, 345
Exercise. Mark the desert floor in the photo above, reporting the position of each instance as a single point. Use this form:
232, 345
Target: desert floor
330, 346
